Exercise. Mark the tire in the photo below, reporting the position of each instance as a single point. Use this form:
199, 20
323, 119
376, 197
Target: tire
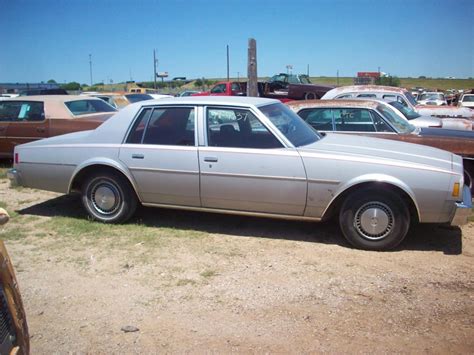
310, 96
373, 219
108, 197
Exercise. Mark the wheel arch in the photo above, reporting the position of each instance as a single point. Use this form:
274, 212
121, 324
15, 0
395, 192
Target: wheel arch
100, 165
380, 182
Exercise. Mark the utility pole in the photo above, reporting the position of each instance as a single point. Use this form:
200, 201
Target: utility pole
337, 74
307, 71
154, 69
227, 62
90, 66
252, 85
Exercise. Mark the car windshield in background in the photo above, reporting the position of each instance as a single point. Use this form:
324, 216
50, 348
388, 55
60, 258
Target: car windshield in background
410, 98
431, 97
398, 123
409, 113
468, 98
84, 107
138, 97
290, 124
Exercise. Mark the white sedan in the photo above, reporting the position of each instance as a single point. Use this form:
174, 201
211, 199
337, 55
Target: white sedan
248, 156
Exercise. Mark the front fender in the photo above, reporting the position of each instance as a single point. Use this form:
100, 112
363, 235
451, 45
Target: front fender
368, 178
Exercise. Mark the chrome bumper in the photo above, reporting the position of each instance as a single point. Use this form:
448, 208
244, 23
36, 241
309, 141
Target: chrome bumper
14, 176
462, 209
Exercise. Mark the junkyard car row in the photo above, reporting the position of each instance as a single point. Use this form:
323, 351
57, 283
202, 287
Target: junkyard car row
250, 156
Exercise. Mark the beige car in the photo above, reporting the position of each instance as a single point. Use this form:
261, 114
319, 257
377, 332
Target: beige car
28, 118
14, 337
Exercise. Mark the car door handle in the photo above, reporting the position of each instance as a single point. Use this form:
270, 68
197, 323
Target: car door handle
40, 130
210, 159
138, 156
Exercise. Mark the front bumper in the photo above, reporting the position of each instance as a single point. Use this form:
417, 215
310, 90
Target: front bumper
462, 209
14, 176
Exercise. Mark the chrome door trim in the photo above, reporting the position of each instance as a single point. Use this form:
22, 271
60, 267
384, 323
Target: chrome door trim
235, 212
285, 178
170, 171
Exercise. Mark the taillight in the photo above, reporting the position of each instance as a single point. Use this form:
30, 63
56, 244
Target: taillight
17, 158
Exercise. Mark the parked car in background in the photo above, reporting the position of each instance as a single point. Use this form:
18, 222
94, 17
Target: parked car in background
248, 156
160, 96
377, 119
415, 118
27, 118
14, 337
187, 93
292, 86
432, 98
119, 99
457, 117
467, 100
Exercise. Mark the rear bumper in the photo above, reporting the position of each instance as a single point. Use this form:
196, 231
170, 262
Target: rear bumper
14, 176
462, 209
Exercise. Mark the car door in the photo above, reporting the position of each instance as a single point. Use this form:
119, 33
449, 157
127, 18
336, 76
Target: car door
162, 157
245, 167
26, 123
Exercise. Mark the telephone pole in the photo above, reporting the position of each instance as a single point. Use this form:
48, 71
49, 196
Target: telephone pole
227, 62
154, 69
90, 66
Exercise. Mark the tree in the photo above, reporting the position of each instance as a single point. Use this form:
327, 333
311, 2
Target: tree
72, 86
51, 81
388, 81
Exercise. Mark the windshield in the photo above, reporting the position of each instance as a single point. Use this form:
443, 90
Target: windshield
410, 98
396, 121
408, 112
84, 107
138, 97
431, 96
290, 124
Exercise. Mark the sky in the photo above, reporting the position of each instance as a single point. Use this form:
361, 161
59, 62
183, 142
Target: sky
52, 39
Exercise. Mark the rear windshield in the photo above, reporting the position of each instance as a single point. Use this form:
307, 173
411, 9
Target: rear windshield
138, 97
84, 107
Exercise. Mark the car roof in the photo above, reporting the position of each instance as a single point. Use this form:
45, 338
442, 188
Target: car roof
211, 100
53, 98
365, 88
355, 103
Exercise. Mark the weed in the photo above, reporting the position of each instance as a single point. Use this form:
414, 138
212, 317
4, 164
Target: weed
208, 273
184, 282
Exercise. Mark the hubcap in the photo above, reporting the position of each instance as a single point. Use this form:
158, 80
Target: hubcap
105, 198
374, 220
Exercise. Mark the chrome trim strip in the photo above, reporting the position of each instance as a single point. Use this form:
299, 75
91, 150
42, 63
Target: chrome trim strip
40, 163
249, 176
166, 171
330, 182
261, 151
234, 212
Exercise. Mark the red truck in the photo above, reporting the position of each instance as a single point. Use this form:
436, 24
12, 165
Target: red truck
283, 87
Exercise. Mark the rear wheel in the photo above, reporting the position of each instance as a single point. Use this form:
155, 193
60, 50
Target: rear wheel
310, 96
374, 219
108, 197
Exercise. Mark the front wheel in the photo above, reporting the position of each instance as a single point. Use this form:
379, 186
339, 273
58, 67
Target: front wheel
108, 197
374, 220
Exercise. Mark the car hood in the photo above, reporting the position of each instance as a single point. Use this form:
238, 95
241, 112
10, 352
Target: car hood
367, 149
445, 111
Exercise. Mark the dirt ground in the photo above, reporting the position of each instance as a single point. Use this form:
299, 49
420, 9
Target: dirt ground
193, 282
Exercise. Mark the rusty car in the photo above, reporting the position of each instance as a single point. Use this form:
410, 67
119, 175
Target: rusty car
375, 118
248, 156
453, 117
14, 337
27, 118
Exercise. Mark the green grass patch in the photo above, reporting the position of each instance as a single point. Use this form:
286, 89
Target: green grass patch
14, 234
3, 205
208, 273
184, 282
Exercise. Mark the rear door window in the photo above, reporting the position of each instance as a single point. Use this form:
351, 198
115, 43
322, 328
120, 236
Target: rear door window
18, 111
319, 118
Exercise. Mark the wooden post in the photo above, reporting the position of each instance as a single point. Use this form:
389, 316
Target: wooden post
252, 84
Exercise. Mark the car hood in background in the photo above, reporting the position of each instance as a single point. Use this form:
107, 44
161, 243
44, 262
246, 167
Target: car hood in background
380, 151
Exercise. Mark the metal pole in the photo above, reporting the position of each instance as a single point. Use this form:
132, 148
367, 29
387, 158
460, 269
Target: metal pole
338, 77
307, 71
227, 62
90, 66
154, 69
